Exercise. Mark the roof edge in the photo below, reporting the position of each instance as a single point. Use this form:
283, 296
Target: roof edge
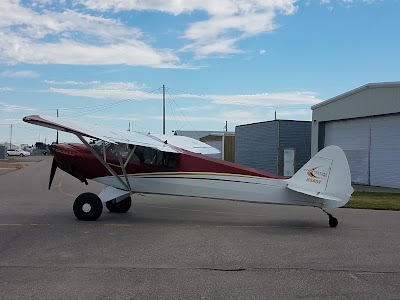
269, 121
355, 91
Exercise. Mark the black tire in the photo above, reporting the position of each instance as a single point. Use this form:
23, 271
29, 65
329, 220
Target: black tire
333, 222
88, 207
21, 155
120, 207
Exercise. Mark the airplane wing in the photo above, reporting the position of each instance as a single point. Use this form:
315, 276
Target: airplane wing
187, 143
115, 136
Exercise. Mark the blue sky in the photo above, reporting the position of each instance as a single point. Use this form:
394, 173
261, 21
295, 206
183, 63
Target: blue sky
105, 61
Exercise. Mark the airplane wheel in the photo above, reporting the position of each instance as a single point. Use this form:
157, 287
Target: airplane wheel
120, 207
333, 222
88, 207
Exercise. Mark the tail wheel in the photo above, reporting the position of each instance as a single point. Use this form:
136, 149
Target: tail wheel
119, 207
88, 207
333, 222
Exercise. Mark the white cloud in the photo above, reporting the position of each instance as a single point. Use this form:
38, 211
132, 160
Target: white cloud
264, 99
106, 90
129, 90
5, 89
331, 3
85, 39
67, 82
16, 49
13, 108
213, 35
262, 51
76, 38
10, 121
19, 74
105, 94
176, 7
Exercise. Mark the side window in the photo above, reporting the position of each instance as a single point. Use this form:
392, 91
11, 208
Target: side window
155, 157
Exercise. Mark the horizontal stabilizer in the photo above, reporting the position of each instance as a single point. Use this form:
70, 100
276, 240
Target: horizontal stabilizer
312, 193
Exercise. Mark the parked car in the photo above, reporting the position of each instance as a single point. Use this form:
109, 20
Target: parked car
17, 152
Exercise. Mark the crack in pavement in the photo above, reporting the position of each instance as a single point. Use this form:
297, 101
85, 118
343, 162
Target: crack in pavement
254, 269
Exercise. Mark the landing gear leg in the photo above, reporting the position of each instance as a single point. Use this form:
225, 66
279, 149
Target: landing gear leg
333, 222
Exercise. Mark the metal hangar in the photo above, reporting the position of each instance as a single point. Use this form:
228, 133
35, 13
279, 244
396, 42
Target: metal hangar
279, 146
365, 123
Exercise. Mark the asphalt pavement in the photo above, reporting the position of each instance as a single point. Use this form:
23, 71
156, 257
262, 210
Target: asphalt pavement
185, 248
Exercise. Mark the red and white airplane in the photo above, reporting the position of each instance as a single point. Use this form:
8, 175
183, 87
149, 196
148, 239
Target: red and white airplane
132, 162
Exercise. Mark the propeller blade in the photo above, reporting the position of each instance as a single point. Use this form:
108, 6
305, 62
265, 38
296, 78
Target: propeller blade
53, 171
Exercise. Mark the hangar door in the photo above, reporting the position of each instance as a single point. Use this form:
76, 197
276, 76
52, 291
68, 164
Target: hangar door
385, 151
353, 136
372, 147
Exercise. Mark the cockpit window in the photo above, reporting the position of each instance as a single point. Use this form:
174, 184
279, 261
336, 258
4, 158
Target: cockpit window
144, 155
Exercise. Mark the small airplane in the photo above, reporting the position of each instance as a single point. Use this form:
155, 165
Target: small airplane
128, 162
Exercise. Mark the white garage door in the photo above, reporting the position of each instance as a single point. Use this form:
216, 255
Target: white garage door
385, 151
353, 136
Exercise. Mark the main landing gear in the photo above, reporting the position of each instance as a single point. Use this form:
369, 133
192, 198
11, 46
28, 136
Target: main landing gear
88, 206
119, 207
333, 222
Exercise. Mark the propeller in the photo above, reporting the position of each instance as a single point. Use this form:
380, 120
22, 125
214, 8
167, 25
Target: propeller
54, 162
52, 171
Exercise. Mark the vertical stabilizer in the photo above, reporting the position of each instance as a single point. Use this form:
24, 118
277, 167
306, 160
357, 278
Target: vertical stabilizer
326, 176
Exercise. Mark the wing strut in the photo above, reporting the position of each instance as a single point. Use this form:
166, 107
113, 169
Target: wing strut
130, 155
105, 164
121, 163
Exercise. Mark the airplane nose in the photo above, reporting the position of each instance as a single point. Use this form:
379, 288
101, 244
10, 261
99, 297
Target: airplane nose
53, 148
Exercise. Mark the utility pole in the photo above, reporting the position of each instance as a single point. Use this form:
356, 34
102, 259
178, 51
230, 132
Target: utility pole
226, 125
57, 130
163, 94
10, 136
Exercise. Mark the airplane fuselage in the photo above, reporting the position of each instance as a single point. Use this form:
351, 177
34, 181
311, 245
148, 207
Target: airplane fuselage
183, 174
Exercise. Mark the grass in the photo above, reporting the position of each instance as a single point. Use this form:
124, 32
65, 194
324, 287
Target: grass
375, 200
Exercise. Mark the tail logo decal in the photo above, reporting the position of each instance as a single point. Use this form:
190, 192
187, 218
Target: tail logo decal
315, 176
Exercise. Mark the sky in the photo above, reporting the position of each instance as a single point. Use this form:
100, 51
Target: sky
236, 61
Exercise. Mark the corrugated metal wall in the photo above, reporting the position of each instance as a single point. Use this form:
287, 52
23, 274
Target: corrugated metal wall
256, 145
296, 135
385, 151
353, 136
372, 147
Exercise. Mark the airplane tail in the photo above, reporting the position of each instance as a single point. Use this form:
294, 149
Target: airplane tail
326, 176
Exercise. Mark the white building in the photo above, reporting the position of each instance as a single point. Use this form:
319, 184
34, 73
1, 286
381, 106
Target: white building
365, 123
